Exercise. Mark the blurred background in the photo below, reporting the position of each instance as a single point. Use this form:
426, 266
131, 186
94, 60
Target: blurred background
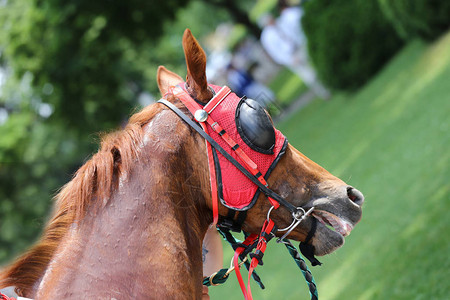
362, 87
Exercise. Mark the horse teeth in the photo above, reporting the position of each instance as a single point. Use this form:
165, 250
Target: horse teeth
336, 223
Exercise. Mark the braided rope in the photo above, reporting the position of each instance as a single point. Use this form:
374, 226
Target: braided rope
304, 268
217, 278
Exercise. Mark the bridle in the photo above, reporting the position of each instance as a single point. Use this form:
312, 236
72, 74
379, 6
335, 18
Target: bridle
201, 115
203, 119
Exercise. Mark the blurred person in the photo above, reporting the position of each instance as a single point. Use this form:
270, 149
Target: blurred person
212, 256
243, 83
284, 41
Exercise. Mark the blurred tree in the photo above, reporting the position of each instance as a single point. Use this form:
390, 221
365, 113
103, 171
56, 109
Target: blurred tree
427, 19
238, 11
72, 68
348, 40
168, 51
79, 53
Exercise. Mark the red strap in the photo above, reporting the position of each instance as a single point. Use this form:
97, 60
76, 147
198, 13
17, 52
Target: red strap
213, 183
192, 106
274, 202
262, 245
217, 128
219, 97
238, 272
248, 241
181, 94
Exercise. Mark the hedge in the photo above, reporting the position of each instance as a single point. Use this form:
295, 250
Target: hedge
348, 40
426, 19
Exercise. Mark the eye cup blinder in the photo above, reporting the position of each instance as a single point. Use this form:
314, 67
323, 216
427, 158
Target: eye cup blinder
255, 126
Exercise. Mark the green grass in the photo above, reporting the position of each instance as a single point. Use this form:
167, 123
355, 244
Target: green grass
391, 140
287, 87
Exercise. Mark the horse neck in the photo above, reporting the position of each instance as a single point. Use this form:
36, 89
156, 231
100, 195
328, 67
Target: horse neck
145, 242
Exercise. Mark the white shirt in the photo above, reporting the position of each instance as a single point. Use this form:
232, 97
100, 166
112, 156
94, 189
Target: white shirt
289, 22
277, 47
282, 39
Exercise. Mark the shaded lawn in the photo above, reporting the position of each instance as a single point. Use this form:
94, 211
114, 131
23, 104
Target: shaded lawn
287, 87
391, 140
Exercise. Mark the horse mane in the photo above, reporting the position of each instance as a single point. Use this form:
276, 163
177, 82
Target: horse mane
91, 185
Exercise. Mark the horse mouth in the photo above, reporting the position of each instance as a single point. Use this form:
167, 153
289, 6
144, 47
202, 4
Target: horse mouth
333, 222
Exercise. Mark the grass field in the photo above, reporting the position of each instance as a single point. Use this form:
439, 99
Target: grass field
287, 87
391, 140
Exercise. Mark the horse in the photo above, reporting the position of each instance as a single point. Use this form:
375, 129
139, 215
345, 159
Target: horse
130, 223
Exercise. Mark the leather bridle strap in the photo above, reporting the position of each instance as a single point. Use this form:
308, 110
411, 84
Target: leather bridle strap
205, 118
268, 192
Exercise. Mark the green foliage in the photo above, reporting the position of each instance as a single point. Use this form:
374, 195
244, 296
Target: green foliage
82, 51
348, 41
427, 19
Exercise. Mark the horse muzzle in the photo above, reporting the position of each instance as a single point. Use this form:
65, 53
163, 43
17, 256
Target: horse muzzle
336, 215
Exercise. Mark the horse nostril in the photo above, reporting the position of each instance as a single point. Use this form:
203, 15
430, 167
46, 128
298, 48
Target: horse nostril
355, 195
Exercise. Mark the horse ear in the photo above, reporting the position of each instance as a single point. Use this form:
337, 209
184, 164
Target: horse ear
166, 79
196, 68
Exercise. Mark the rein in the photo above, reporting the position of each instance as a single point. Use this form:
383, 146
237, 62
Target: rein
250, 170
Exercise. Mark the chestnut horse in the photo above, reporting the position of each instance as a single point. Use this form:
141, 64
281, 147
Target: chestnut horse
130, 224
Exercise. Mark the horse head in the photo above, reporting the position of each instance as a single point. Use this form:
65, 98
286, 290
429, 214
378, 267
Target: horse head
299, 180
